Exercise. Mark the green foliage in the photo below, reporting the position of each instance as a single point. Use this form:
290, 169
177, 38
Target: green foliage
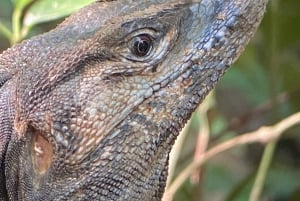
47, 10
29, 13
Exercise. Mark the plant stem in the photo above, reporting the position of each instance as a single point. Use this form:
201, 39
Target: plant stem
16, 25
262, 171
265, 134
274, 86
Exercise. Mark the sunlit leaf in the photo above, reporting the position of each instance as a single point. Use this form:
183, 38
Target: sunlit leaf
47, 10
20, 4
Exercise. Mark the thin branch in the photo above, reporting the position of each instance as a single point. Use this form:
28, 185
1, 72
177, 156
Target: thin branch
274, 65
262, 135
202, 141
262, 171
175, 152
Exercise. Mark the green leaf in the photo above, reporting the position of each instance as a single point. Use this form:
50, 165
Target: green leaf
5, 31
282, 180
14, 1
47, 10
20, 4
248, 77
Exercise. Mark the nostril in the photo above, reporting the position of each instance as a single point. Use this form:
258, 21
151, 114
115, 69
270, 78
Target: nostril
42, 153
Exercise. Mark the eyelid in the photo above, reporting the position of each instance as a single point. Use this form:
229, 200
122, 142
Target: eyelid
148, 31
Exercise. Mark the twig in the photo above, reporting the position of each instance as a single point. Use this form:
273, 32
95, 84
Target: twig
274, 65
203, 139
262, 135
262, 171
176, 150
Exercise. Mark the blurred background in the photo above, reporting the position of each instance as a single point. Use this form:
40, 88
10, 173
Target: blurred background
261, 88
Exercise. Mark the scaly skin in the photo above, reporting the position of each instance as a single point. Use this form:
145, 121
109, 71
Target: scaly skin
86, 115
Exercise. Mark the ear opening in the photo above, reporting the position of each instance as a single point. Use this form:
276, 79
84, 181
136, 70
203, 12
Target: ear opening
4, 76
42, 152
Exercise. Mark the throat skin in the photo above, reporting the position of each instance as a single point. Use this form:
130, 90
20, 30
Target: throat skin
91, 109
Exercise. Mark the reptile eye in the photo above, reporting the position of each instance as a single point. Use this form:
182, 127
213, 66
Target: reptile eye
141, 45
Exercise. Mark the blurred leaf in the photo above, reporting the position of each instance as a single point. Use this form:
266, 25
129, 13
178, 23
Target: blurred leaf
218, 124
47, 10
288, 17
5, 31
15, 1
20, 4
248, 77
282, 180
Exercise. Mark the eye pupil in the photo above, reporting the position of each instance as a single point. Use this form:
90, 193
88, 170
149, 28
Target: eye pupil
141, 45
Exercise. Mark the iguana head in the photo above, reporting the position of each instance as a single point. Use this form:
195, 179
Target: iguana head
91, 109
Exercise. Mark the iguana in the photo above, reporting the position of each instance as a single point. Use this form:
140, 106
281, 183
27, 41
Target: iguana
91, 109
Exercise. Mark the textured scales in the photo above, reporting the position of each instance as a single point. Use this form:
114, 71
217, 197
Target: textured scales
82, 117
